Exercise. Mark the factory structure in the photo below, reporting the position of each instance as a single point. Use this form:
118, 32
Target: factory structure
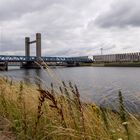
126, 57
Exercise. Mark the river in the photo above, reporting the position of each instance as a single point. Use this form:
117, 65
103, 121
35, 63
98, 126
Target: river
98, 84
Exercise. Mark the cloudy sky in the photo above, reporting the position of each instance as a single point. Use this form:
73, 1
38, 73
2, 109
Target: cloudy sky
70, 27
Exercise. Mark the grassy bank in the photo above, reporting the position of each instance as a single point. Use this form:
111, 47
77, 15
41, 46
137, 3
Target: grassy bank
29, 112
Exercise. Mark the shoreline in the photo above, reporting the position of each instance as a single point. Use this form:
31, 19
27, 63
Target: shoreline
112, 64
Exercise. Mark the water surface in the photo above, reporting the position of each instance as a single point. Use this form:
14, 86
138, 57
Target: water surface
98, 84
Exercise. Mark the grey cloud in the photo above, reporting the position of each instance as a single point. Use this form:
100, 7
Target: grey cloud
12, 9
110, 46
57, 23
64, 52
122, 13
12, 45
63, 26
127, 47
16, 8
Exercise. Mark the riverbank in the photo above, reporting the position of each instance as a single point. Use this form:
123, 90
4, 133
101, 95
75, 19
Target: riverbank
116, 64
34, 112
112, 64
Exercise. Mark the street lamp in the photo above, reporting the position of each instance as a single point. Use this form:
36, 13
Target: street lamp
101, 51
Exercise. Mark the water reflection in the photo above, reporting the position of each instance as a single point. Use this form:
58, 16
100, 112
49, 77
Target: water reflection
38, 76
32, 76
26, 76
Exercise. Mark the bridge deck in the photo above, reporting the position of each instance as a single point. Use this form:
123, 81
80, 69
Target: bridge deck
6, 58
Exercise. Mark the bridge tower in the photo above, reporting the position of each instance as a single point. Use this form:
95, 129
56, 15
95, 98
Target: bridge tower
27, 46
38, 45
28, 65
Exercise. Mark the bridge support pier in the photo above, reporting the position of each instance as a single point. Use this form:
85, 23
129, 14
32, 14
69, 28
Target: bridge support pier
72, 64
29, 65
4, 66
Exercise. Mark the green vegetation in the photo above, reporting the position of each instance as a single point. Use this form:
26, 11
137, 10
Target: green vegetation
30, 112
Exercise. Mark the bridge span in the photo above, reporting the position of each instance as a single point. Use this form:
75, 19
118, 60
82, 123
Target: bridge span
28, 61
8, 58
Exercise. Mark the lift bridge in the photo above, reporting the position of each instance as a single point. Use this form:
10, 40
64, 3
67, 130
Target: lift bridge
28, 61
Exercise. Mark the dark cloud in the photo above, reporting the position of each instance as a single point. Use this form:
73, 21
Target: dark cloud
121, 14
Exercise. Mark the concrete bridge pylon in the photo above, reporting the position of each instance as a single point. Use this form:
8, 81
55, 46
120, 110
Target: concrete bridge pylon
27, 51
38, 45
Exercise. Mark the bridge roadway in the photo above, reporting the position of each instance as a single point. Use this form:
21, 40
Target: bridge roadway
10, 58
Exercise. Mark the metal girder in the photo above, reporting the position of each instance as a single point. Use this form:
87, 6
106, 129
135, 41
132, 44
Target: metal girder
8, 58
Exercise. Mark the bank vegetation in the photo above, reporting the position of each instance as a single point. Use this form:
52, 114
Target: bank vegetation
31, 112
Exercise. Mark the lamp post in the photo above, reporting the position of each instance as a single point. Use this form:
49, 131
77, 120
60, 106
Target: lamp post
101, 51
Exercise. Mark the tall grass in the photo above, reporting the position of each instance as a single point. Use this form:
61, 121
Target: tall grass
35, 113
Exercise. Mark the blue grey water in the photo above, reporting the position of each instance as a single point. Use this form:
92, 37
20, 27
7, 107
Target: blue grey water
97, 84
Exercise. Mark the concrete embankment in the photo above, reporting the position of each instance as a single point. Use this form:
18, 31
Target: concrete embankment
117, 64
122, 65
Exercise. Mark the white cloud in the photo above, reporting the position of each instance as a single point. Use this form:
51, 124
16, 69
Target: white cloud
69, 27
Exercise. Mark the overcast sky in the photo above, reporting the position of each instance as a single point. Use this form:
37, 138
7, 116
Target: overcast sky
70, 27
